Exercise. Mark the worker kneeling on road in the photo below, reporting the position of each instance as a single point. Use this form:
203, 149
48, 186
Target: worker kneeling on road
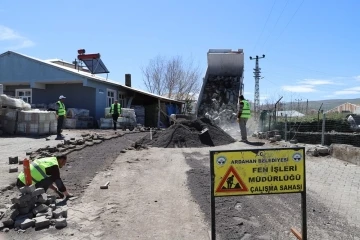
44, 173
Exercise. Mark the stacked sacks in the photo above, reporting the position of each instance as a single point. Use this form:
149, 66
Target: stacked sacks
34, 208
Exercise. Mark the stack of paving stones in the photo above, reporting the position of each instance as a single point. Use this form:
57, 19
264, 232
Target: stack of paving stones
71, 145
33, 208
219, 99
12, 161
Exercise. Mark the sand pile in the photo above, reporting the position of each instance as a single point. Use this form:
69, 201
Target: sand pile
188, 134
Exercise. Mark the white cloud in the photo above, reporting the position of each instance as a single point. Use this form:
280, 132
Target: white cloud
316, 82
348, 91
357, 78
299, 88
16, 40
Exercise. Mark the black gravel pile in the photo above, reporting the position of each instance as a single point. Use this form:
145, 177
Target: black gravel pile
188, 134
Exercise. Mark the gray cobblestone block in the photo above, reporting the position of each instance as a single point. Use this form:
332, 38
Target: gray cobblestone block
38, 192
42, 198
49, 213
52, 206
50, 199
8, 222
13, 160
13, 169
21, 198
12, 214
40, 209
272, 139
6, 230
60, 223
294, 141
323, 150
278, 137
2, 226
30, 189
24, 210
60, 212
41, 215
27, 224
29, 215
41, 222
23, 190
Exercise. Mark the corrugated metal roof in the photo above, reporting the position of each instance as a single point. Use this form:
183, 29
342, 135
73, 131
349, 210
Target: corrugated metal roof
93, 77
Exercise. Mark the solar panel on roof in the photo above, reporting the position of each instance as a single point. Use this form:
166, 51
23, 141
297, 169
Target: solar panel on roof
95, 65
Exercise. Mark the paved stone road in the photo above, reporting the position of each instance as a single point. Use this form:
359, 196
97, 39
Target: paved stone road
337, 184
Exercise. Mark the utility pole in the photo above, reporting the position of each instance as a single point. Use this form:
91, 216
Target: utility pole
257, 87
307, 106
298, 100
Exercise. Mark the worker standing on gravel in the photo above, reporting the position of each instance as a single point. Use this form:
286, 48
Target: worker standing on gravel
44, 173
243, 115
60, 115
116, 111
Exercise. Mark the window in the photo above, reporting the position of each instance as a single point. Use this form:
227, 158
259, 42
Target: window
24, 94
122, 99
110, 97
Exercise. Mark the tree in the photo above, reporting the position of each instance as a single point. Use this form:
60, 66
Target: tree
172, 77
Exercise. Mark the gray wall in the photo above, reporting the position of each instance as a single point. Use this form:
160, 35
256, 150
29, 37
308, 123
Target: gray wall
77, 96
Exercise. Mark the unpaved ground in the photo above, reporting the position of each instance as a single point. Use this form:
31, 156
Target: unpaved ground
165, 194
272, 216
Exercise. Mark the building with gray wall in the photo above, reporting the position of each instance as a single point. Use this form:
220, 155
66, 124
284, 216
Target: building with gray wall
43, 81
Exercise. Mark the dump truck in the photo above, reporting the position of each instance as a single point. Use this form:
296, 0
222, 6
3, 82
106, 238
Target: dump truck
222, 85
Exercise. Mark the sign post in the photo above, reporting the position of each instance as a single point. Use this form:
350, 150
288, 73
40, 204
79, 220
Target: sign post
258, 172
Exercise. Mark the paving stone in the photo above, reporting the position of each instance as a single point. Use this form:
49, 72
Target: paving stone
52, 206
6, 230
30, 189
13, 169
28, 215
40, 209
8, 222
24, 210
22, 198
50, 199
60, 223
294, 141
13, 160
42, 198
1, 226
12, 213
60, 212
38, 192
41, 222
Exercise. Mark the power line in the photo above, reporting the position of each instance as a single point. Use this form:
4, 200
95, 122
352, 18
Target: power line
298, 8
262, 31
282, 11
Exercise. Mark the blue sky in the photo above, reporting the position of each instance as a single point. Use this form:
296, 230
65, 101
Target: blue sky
311, 46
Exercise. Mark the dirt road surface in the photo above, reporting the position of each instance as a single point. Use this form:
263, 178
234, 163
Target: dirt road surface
165, 194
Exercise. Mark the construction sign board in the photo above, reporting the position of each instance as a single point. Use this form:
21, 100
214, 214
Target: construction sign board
258, 171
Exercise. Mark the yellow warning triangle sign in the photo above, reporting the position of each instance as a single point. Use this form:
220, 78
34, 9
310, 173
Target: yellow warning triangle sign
231, 182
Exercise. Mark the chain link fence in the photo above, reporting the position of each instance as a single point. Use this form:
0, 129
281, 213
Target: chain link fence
321, 127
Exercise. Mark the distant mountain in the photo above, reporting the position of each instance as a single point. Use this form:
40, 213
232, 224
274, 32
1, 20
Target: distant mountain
327, 104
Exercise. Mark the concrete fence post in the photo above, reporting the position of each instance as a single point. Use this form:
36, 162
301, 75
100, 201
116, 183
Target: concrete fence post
323, 131
285, 127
